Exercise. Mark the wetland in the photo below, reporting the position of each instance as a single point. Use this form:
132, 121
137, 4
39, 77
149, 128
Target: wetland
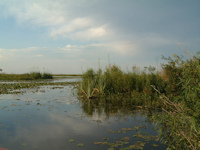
50, 115
104, 109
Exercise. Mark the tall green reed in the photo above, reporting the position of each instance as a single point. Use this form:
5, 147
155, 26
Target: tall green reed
114, 82
181, 121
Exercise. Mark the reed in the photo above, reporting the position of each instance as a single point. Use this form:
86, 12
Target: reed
181, 102
87, 87
114, 82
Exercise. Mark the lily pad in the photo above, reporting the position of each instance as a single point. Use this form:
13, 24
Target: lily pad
135, 147
125, 142
80, 144
71, 140
24, 144
106, 138
155, 145
125, 139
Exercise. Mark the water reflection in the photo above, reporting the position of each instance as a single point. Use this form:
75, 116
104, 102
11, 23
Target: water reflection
49, 117
104, 107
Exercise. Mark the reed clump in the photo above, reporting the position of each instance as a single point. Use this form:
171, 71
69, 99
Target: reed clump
113, 82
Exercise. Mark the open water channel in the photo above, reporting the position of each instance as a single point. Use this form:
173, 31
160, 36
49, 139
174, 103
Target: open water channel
53, 118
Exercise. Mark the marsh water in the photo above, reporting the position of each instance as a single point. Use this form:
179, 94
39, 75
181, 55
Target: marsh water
54, 118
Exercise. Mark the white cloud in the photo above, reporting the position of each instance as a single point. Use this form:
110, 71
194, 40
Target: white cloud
73, 26
125, 48
61, 18
91, 30
68, 46
92, 34
42, 13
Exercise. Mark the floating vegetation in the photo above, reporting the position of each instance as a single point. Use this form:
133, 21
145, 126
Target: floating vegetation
129, 142
24, 144
123, 145
71, 140
13, 88
138, 127
111, 131
125, 139
106, 138
80, 144
155, 145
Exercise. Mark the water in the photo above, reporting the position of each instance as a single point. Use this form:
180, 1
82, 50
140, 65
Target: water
55, 80
53, 118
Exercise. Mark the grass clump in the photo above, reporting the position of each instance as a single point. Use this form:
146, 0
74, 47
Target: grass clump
114, 82
89, 85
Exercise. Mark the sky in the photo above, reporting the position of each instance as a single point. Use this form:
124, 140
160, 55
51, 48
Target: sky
71, 36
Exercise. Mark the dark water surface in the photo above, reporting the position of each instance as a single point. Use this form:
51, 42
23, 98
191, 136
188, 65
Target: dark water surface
52, 118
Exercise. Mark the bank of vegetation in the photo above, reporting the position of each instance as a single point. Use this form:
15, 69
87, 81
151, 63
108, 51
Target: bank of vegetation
26, 76
175, 89
67, 75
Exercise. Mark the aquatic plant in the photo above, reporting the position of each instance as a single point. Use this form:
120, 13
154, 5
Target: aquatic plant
180, 124
87, 86
113, 82
12, 88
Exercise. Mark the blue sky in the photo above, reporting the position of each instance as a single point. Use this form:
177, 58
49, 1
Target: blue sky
70, 36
